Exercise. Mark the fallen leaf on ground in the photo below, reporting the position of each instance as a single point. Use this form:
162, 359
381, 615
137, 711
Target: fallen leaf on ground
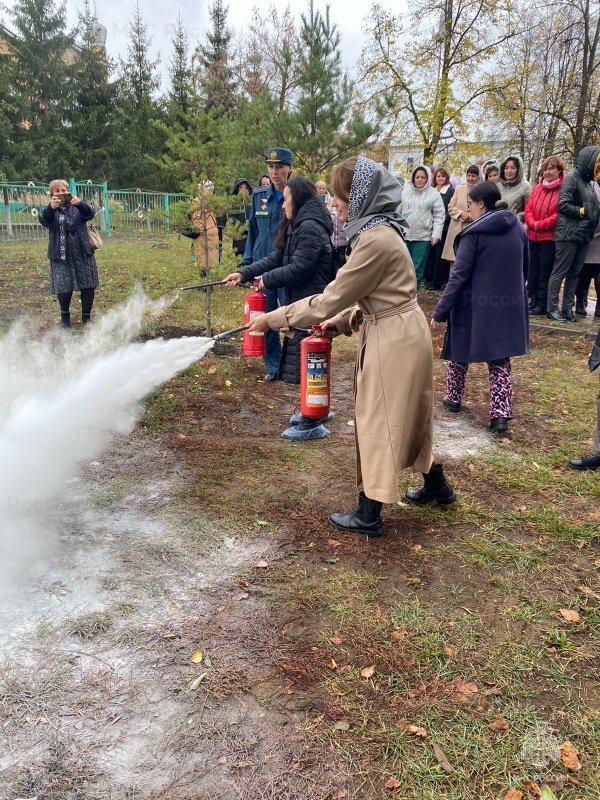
399, 634
416, 548
569, 756
196, 684
588, 591
342, 725
513, 794
212, 370
197, 656
333, 664
341, 794
449, 651
569, 615
334, 543
335, 640
392, 783
228, 384
548, 794
367, 672
417, 731
499, 724
262, 564
532, 788
465, 687
441, 758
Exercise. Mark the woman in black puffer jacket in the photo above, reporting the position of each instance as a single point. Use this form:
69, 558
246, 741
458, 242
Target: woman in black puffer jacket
301, 263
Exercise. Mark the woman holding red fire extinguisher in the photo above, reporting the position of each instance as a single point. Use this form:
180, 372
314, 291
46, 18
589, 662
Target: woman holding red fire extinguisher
375, 292
302, 265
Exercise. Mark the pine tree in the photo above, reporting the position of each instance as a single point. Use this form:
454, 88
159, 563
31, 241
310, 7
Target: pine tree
93, 124
215, 75
39, 75
140, 138
326, 126
180, 73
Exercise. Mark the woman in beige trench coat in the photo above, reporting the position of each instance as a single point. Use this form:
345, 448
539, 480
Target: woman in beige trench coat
375, 291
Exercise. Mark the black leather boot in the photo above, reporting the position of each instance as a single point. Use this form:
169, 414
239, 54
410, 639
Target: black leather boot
366, 518
65, 319
435, 490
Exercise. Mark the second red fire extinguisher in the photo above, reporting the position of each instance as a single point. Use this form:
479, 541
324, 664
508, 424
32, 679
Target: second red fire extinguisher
255, 303
315, 368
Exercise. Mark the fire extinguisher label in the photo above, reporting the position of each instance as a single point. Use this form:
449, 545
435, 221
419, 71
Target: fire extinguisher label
316, 384
252, 315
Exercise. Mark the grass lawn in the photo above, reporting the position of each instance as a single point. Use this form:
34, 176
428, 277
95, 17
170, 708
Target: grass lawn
450, 659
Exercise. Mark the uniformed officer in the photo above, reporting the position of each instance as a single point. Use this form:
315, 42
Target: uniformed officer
265, 216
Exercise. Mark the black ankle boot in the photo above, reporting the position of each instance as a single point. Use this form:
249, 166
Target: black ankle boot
366, 518
436, 489
65, 319
85, 318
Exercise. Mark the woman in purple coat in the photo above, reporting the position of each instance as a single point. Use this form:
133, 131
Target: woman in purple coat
485, 302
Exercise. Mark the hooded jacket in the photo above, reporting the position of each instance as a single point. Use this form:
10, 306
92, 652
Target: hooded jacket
485, 303
541, 212
515, 193
240, 217
423, 209
575, 194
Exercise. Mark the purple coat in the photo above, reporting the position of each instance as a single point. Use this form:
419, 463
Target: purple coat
485, 303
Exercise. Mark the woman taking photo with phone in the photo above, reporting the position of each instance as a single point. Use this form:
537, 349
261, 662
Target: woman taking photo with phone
72, 262
375, 292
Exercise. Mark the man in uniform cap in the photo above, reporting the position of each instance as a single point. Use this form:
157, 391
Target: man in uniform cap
265, 216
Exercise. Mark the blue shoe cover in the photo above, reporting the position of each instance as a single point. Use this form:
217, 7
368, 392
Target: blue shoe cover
296, 418
320, 432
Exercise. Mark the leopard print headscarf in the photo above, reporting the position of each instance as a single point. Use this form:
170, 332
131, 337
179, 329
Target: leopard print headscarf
374, 199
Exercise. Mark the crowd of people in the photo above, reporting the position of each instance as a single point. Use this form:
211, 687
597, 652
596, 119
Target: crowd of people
564, 248
497, 248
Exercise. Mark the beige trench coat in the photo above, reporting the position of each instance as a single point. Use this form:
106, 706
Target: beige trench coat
393, 409
456, 206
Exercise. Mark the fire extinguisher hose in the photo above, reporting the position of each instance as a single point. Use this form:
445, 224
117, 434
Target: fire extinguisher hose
225, 334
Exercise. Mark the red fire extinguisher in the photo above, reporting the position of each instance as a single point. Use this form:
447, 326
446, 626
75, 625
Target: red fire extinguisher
315, 363
255, 303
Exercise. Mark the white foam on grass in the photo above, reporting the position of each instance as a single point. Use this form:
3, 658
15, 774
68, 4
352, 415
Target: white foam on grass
62, 398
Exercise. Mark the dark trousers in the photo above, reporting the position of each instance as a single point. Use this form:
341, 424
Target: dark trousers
567, 266
437, 269
272, 356
541, 261
87, 301
588, 272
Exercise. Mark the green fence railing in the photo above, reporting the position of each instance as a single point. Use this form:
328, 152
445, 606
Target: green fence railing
132, 212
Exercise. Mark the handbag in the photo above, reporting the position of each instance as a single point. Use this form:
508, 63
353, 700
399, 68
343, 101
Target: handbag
94, 237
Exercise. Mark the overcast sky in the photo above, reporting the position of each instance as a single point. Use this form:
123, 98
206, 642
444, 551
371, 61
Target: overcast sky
160, 16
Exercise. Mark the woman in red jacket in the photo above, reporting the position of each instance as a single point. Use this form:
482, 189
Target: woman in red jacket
541, 213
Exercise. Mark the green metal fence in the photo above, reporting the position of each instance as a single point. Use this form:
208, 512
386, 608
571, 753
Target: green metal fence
133, 212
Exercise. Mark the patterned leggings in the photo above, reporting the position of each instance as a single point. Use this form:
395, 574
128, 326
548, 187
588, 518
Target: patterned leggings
500, 386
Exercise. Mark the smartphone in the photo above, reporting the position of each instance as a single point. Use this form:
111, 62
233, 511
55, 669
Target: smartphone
64, 198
